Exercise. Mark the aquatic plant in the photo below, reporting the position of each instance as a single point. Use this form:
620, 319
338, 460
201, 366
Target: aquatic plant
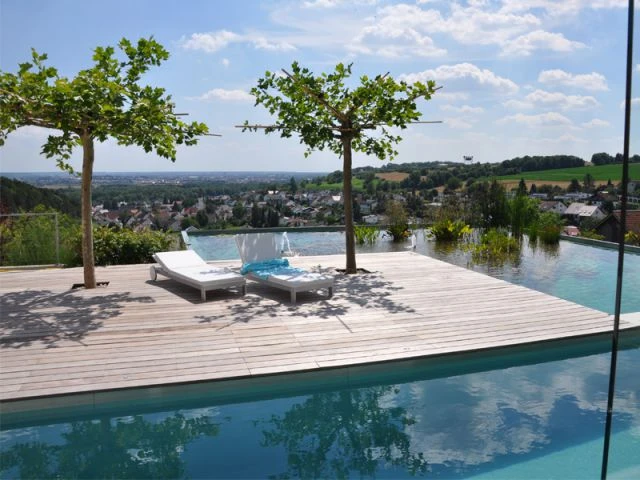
632, 238
547, 228
449, 230
398, 228
366, 234
495, 246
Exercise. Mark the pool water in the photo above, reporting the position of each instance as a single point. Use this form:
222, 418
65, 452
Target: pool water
511, 416
580, 273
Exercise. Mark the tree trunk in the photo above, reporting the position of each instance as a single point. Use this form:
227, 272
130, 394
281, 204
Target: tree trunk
87, 227
348, 206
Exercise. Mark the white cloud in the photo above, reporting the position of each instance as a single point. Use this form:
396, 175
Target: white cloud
224, 95
450, 96
225, 62
517, 104
525, 44
462, 109
215, 41
210, 42
37, 133
634, 101
589, 81
261, 43
560, 100
560, 8
457, 123
395, 33
409, 28
542, 119
336, 3
463, 72
596, 122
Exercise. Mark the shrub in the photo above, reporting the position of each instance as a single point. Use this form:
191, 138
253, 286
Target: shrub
31, 240
632, 238
591, 234
398, 227
449, 230
523, 212
496, 245
547, 227
124, 246
366, 234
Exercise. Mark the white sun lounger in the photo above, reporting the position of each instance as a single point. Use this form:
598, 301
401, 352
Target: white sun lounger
260, 247
188, 267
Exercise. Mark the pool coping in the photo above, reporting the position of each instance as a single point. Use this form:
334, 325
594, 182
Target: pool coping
273, 385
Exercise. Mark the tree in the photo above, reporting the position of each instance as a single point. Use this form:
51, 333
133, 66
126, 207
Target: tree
522, 187
602, 158
293, 186
101, 102
574, 185
588, 182
328, 115
202, 220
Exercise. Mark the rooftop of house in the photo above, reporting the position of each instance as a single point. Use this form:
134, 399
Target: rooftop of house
580, 209
632, 220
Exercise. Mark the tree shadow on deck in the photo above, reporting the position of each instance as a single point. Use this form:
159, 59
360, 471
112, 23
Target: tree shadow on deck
48, 317
363, 291
192, 295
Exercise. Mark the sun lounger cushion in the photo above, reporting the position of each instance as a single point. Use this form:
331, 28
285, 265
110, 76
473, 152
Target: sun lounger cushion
179, 259
268, 268
262, 262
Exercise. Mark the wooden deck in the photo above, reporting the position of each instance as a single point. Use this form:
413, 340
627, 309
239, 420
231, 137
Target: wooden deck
136, 333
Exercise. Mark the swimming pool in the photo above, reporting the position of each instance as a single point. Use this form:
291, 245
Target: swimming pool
523, 413
580, 273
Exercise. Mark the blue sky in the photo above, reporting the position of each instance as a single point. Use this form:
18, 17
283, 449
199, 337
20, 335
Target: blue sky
519, 76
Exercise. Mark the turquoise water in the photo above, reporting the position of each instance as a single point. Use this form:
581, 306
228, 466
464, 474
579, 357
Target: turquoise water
538, 414
580, 273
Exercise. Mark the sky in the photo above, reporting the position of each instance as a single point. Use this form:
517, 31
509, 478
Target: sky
518, 77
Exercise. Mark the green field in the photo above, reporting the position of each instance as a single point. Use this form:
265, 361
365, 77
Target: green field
357, 185
601, 173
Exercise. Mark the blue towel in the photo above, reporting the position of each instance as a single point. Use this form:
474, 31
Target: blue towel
266, 268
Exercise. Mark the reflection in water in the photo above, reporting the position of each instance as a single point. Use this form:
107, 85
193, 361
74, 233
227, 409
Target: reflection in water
451, 426
134, 447
339, 434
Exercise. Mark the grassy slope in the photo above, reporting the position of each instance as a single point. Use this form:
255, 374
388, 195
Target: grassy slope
357, 185
599, 173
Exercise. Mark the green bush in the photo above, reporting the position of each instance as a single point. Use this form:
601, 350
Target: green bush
124, 246
523, 212
449, 230
547, 228
398, 228
496, 246
591, 234
31, 240
366, 234
632, 238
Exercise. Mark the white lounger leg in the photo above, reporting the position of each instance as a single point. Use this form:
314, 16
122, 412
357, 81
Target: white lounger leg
330, 291
203, 294
293, 297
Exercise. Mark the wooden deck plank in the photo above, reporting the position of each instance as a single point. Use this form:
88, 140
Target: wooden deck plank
137, 333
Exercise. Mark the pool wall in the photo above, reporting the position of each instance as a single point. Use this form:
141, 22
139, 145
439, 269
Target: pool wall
22, 413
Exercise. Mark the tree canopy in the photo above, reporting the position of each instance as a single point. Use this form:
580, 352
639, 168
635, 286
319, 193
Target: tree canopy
100, 102
104, 101
327, 114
